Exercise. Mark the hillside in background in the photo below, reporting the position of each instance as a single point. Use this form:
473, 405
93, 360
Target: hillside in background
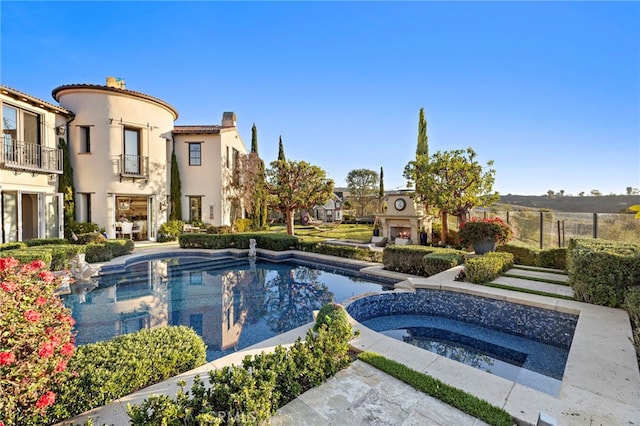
586, 204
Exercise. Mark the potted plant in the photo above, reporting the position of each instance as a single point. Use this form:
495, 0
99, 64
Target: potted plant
376, 229
484, 234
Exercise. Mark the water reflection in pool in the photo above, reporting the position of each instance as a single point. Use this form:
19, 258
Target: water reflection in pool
231, 303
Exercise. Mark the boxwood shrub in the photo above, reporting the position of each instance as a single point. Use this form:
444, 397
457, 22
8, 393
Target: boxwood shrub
45, 242
441, 260
409, 258
632, 306
275, 242
105, 371
486, 268
12, 246
555, 258
601, 271
28, 255
340, 251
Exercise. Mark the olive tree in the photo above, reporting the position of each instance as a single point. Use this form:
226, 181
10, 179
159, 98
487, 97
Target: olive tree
363, 187
294, 185
453, 182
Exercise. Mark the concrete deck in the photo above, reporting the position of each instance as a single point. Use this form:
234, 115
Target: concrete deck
601, 384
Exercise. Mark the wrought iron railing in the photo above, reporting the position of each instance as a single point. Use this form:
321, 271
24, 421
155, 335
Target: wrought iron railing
28, 156
134, 166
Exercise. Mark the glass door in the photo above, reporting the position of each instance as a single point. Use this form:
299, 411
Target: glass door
53, 223
9, 217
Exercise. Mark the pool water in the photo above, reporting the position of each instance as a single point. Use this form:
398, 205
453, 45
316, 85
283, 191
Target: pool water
232, 303
522, 343
534, 364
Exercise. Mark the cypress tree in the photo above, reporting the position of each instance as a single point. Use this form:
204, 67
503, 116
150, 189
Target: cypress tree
423, 139
381, 192
281, 156
67, 188
254, 138
259, 216
176, 192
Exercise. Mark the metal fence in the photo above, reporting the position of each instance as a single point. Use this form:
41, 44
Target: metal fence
544, 229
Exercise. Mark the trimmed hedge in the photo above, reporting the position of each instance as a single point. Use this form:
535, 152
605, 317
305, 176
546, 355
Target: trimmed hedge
409, 258
555, 258
12, 246
89, 238
251, 393
28, 255
441, 260
105, 371
486, 268
275, 242
348, 252
632, 306
601, 271
45, 242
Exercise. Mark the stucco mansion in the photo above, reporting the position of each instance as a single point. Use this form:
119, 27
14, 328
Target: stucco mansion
120, 144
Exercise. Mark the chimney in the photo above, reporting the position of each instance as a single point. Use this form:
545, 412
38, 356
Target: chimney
116, 82
229, 119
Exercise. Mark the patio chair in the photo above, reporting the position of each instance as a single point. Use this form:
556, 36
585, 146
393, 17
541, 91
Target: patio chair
126, 228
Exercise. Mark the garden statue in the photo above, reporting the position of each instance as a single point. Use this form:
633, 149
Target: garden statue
252, 247
80, 269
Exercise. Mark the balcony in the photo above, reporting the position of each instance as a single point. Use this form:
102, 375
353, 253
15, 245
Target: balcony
134, 167
32, 157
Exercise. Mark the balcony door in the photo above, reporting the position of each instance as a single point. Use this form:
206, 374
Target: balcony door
132, 151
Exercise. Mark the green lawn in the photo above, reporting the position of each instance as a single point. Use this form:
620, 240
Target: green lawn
360, 233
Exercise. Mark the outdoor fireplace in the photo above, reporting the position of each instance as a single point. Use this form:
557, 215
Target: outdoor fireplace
404, 219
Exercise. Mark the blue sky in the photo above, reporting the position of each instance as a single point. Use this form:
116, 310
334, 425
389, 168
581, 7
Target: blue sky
548, 90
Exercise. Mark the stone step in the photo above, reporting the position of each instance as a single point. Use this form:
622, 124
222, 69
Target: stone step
556, 289
550, 276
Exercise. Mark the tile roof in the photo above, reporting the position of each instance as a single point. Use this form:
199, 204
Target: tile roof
32, 99
56, 92
200, 130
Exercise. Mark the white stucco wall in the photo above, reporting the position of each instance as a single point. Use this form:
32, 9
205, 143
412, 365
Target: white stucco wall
207, 180
9, 179
108, 113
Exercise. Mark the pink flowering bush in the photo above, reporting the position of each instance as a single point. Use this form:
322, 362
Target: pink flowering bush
36, 341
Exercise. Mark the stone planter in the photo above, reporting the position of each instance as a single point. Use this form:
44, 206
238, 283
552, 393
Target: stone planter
484, 246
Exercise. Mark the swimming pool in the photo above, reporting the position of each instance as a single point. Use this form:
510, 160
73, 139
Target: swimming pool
232, 303
524, 344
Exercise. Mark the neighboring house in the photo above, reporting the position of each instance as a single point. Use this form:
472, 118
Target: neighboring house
207, 156
30, 162
331, 211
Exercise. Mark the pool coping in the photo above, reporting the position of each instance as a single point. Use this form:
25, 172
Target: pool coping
601, 383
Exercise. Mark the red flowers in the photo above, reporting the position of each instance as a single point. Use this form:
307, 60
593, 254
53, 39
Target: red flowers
46, 276
7, 358
62, 365
32, 316
8, 263
67, 349
35, 350
8, 286
46, 400
55, 339
46, 350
